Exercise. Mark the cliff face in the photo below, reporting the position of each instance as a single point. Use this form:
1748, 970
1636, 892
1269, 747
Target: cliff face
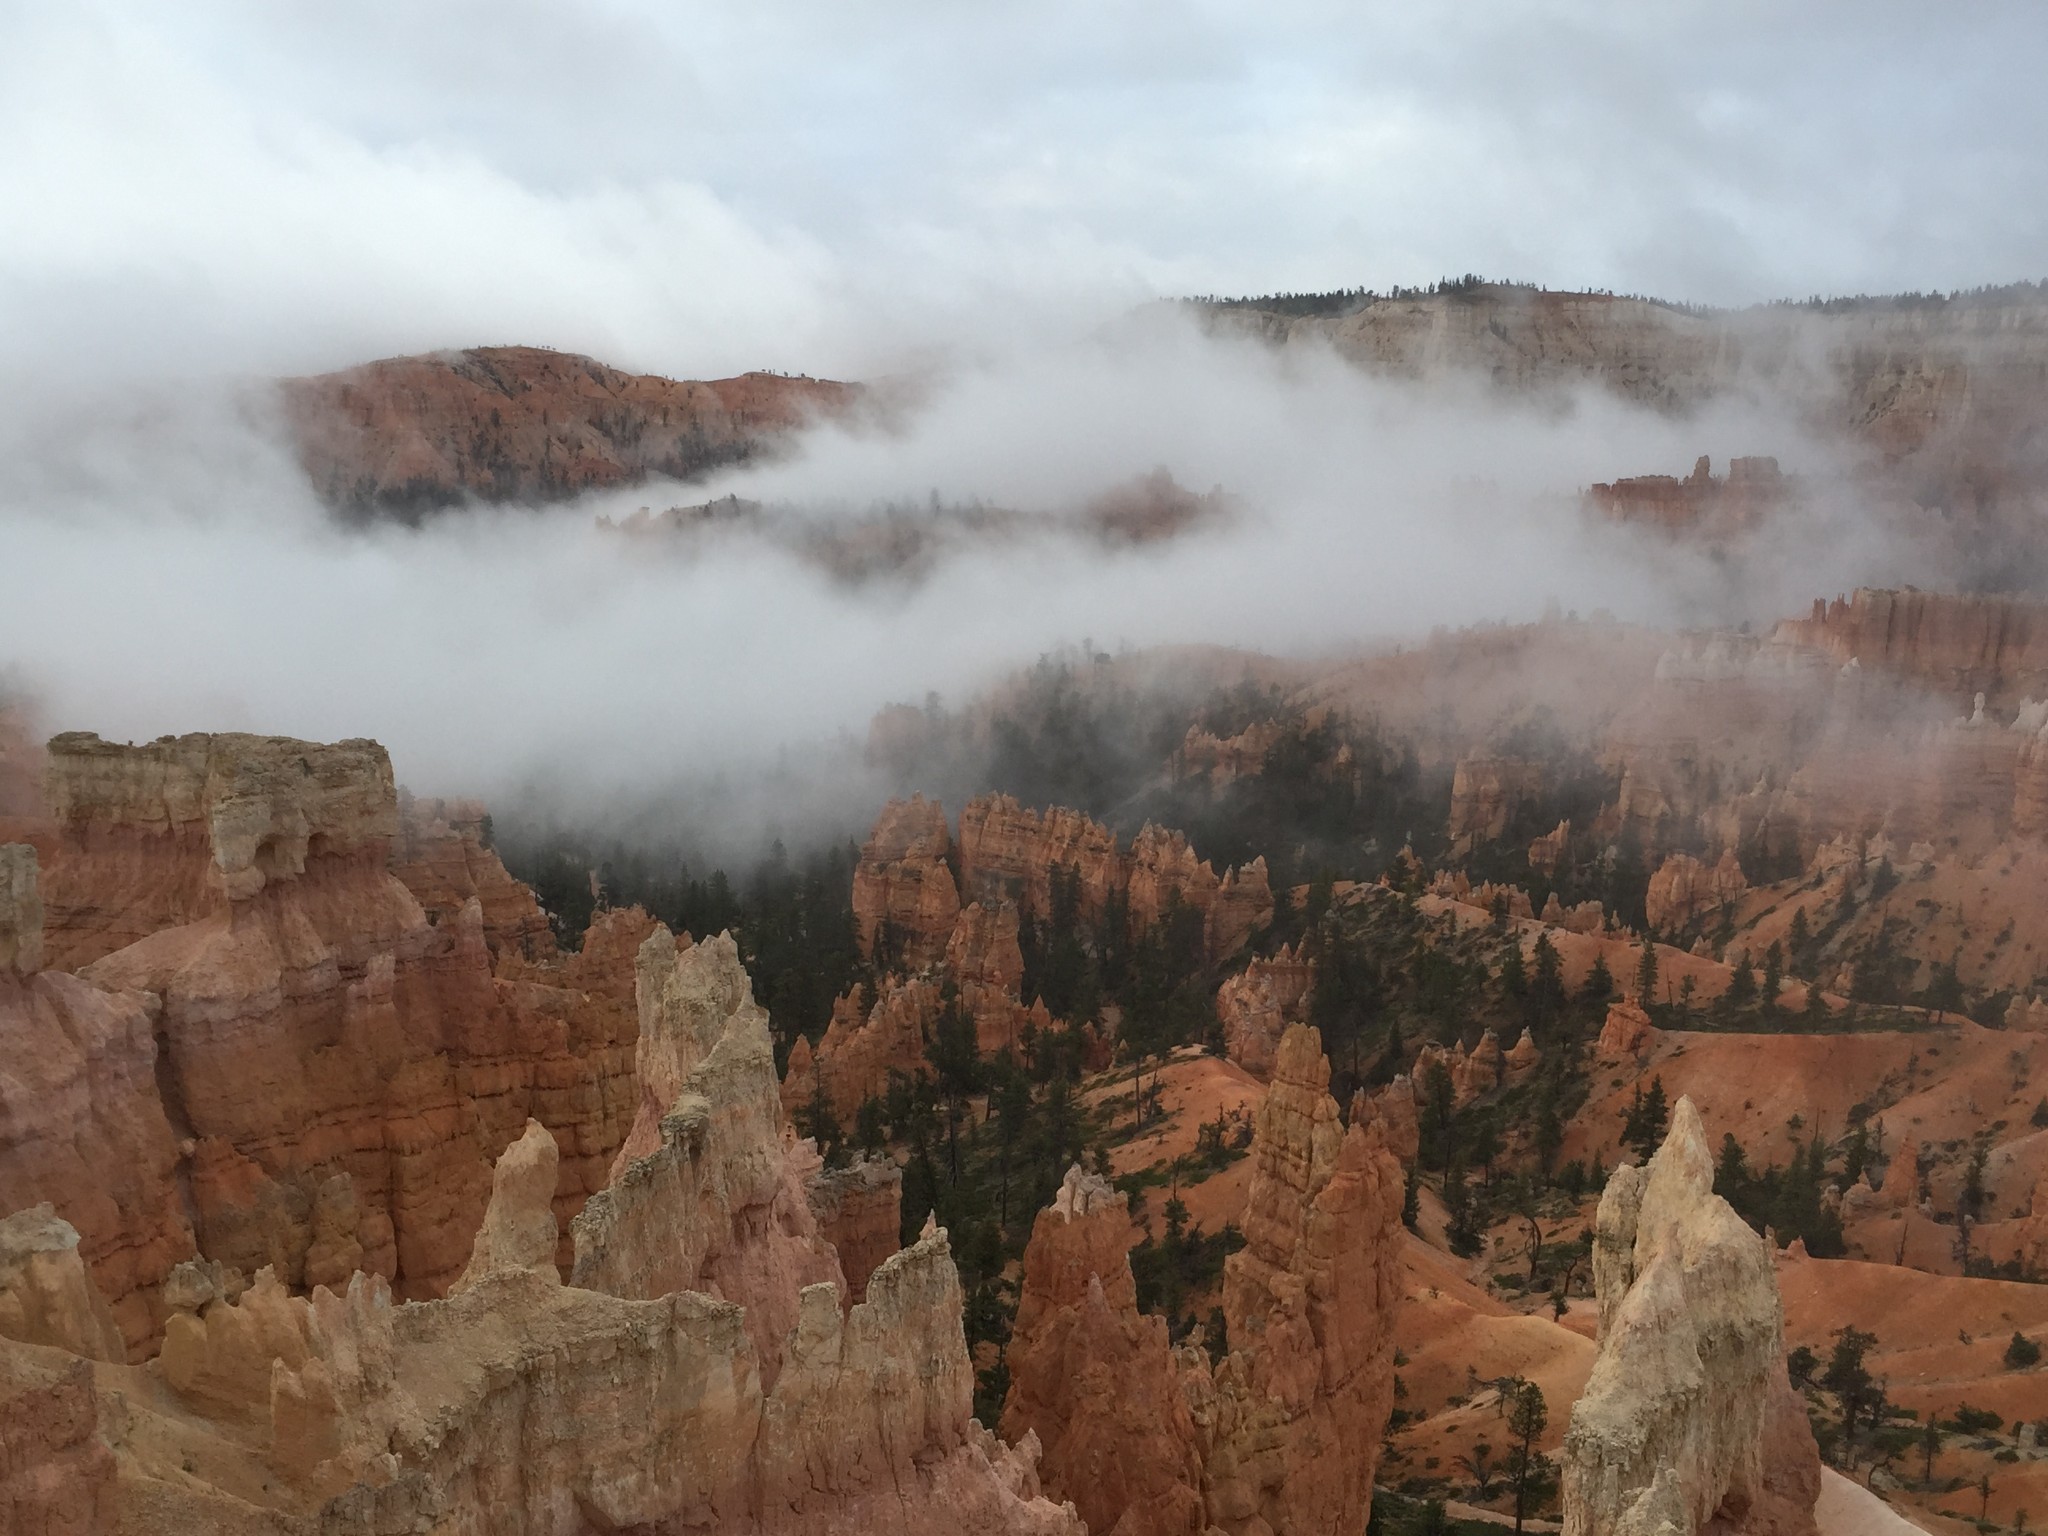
1688, 1417
442, 855
1960, 645
1095, 1380
1009, 852
326, 1071
81, 1124
1753, 491
518, 1403
1486, 792
859, 1211
409, 434
1309, 1302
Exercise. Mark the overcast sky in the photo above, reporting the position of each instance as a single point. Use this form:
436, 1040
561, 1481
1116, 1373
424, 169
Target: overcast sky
839, 186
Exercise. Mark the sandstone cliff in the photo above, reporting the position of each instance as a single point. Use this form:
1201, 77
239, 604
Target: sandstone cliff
409, 434
1684, 889
1997, 646
903, 890
284, 1034
1688, 1417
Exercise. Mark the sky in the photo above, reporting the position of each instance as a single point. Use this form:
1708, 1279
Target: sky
841, 186
199, 197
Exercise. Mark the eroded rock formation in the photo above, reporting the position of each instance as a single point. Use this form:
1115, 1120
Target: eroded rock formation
1256, 1006
1095, 1380
709, 1195
859, 1211
1290, 1421
283, 1031
903, 890
1688, 1417
1683, 889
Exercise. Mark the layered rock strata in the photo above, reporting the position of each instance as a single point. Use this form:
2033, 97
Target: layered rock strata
292, 1064
1687, 1419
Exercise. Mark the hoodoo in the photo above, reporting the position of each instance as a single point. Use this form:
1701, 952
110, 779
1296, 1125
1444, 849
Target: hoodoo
1688, 1417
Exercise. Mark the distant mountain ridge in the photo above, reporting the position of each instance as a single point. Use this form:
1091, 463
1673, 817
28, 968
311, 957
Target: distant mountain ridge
405, 436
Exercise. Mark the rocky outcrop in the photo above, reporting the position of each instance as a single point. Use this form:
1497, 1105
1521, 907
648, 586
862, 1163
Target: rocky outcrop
57, 1477
406, 435
1701, 505
862, 1046
1243, 907
1009, 852
859, 1211
1684, 889
710, 1196
1165, 873
519, 1399
21, 911
1486, 794
903, 892
1548, 851
1256, 1006
1226, 759
160, 835
1962, 645
518, 1233
46, 1296
83, 1129
1094, 1380
1290, 1422
1626, 1033
442, 854
340, 1070
1688, 1417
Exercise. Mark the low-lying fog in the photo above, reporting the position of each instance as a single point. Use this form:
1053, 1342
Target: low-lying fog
169, 570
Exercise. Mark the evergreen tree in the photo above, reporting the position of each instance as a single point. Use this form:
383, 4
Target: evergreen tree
1646, 973
1599, 986
1642, 1128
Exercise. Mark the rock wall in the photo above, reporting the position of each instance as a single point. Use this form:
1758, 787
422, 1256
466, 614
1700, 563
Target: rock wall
57, 1477
522, 1405
1688, 1417
1683, 889
1094, 1379
859, 1211
82, 1127
1962, 645
1009, 852
442, 855
1486, 793
290, 1049
46, 1296
21, 911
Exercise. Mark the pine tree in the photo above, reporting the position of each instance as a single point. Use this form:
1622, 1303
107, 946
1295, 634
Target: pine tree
1646, 973
1599, 986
